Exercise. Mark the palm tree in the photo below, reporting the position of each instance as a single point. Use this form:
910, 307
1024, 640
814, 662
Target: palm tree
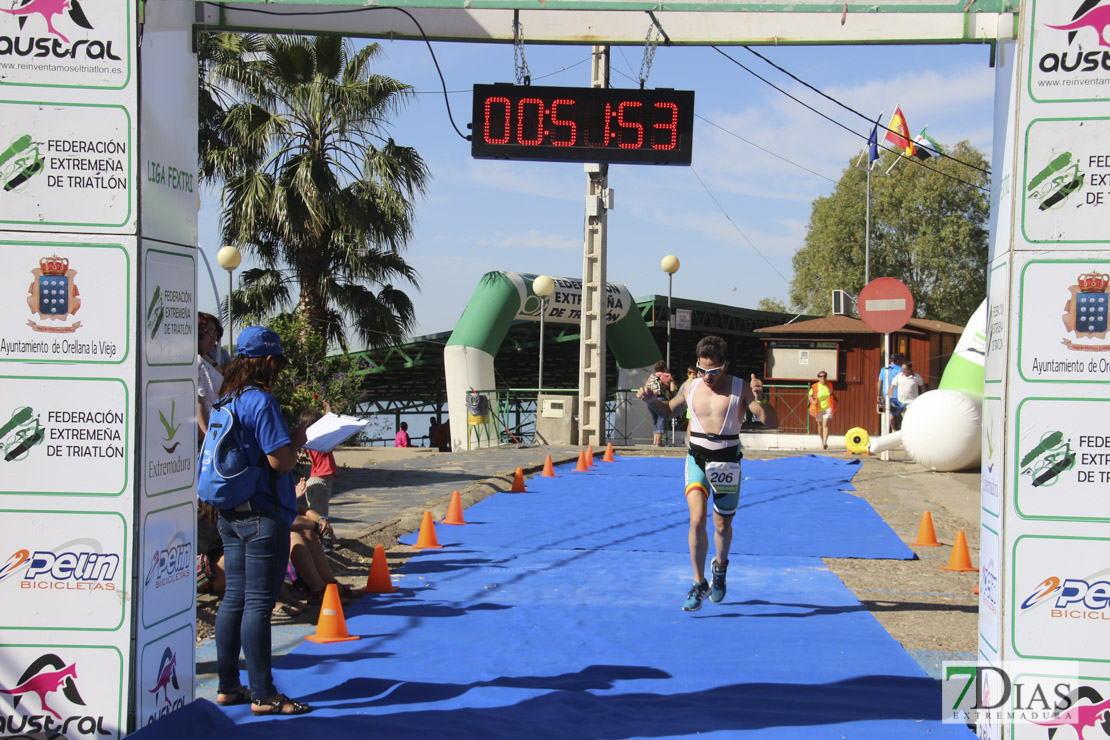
294, 128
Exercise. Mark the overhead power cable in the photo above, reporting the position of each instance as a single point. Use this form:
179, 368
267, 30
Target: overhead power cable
865, 137
344, 11
850, 109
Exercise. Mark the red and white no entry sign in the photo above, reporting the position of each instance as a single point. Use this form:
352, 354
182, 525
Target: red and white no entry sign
885, 305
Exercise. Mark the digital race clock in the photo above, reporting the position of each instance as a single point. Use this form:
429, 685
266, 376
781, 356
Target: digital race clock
576, 124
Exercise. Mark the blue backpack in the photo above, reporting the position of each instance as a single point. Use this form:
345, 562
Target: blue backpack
227, 476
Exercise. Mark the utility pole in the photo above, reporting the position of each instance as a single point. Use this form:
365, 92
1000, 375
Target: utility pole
591, 363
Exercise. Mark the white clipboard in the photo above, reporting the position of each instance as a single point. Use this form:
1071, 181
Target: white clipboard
332, 430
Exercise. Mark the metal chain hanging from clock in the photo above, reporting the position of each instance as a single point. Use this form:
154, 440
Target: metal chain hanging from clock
520, 64
651, 42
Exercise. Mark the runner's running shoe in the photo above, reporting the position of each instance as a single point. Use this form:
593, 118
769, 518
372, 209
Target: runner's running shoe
717, 587
694, 598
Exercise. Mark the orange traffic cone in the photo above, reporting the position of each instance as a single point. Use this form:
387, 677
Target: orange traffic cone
518, 482
332, 627
581, 462
926, 535
961, 558
454, 510
378, 580
427, 538
590, 456
548, 468
608, 456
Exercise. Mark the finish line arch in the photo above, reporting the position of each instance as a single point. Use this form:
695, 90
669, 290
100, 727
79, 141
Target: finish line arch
504, 297
119, 79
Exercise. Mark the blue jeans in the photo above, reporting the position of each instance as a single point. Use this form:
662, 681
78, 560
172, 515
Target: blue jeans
658, 421
256, 550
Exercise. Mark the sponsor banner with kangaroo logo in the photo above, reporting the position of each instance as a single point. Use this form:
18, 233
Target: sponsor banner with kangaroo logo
66, 44
1066, 183
67, 167
63, 570
65, 436
169, 319
169, 436
1060, 602
166, 677
168, 577
61, 691
1069, 58
65, 303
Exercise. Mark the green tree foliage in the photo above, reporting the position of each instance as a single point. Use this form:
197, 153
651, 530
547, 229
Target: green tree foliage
772, 304
311, 376
928, 230
293, 127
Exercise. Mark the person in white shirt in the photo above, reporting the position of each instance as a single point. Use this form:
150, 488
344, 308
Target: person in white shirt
907, 386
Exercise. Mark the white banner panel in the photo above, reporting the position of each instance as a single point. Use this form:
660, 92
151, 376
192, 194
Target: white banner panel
1064, 322
990, 593
64, 571
64, 302
1068, 60
168, 584
77, 45
68, 165
169, 307
64, 435
166, 675
1066, 184
169, 436
85, 698
1064, 465
1060, 598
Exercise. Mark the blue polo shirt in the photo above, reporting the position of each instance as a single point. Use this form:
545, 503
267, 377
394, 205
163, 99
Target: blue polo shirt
264, 430
886, 375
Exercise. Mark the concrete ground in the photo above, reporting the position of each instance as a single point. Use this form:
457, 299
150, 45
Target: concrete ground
381, 494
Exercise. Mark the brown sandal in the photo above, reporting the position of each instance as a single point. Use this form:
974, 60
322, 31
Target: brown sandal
240, 695
279, 704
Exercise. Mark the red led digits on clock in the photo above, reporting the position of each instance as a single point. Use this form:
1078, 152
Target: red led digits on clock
504, 139
556, 122
522, 118
672, 126
637, 127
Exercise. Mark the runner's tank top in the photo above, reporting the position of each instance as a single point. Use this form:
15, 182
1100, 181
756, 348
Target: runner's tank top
731, 424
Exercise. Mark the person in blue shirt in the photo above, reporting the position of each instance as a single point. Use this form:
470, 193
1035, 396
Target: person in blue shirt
886, 376
256, 533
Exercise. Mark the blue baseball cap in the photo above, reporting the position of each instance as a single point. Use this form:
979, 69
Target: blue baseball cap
258, 341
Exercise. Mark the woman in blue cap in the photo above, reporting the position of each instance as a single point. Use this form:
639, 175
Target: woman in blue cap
256, 533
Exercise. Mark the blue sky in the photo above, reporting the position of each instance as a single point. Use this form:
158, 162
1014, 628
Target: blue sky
481, 215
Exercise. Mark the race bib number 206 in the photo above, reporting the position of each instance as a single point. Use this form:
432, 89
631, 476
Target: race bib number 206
724, 477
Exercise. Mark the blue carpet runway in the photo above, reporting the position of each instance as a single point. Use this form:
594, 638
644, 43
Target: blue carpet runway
556, 614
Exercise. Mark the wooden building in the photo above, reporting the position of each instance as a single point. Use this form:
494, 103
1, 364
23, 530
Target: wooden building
851, 354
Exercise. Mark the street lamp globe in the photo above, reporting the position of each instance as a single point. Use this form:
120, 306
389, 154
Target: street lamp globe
229, 257
670, 264
543, 286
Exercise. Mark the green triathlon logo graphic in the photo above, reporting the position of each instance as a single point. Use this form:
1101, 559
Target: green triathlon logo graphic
155, 312
1059, 179
170, 427
20, 433
19, 163
1048, 459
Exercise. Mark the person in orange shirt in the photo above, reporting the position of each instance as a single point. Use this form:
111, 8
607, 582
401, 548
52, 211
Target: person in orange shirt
822, 406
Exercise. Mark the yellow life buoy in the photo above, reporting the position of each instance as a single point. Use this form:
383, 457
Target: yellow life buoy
856, 440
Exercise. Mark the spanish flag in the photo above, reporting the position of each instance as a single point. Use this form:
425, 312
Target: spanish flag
899, 132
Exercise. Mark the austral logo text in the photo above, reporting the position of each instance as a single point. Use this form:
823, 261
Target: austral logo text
167, 677
49, 679
1089, 17
39, 15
